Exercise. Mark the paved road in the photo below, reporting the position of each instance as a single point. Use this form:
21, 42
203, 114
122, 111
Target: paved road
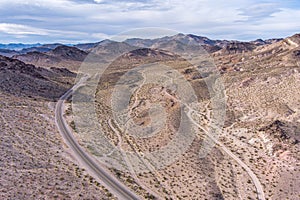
117, 188
114, 186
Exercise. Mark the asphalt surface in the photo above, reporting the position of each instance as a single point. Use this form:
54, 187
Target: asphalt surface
111, 183
115, 186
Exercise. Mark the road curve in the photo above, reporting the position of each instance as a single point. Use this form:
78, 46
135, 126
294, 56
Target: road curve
111, 183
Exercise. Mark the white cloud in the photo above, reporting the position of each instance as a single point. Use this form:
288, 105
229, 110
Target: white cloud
18, 29
100, 36
97, 19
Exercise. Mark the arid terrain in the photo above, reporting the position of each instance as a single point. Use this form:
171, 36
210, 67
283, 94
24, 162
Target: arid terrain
178, 117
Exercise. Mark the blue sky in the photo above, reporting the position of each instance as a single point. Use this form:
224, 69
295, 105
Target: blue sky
75, 21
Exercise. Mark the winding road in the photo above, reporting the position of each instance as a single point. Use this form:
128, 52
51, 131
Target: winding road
112, 184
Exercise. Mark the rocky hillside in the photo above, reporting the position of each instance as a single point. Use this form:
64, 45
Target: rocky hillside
8, 52
61, 56
43, 48
261, 79
210, 45
26, 80
68, 53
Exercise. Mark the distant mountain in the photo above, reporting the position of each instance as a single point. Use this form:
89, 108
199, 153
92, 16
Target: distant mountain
37, 58
43, 48
193, 40
8, 53
111, 48
185, 39
86, 46
58, 55
62, 56
68, 53
18, 46
264, 42
189, 39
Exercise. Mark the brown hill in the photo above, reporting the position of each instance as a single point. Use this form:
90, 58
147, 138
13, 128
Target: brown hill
7, 52
68, 53
283, 131
26, 80
238, 47
61, 57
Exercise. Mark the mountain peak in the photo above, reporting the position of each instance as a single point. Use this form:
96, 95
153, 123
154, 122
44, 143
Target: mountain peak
68, 52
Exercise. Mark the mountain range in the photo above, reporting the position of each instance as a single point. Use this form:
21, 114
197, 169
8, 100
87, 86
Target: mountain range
187, 39
71, 56
259, 138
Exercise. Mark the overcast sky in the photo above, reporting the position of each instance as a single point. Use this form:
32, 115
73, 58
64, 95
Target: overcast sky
74, 21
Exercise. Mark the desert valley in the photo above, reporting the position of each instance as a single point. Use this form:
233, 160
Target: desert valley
59, 142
